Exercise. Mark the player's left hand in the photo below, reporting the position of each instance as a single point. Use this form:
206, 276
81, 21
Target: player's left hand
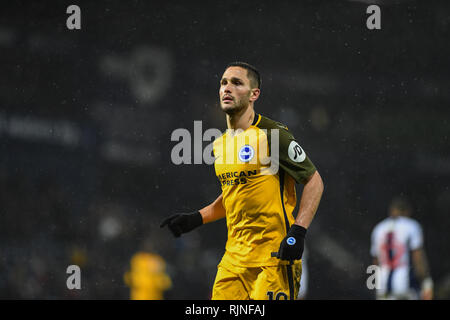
292, 246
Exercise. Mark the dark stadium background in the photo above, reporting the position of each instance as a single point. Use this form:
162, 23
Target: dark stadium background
86, 118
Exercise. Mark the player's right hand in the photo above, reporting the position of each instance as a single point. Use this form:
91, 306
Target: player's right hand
183, 222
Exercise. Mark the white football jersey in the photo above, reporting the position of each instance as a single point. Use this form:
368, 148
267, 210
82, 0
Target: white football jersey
391, 243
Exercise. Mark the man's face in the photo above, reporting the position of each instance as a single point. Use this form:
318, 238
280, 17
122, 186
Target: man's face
397, 212
235, 90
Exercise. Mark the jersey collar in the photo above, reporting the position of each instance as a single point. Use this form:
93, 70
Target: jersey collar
256, 119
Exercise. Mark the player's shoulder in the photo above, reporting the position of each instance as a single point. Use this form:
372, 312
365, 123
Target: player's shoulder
380, 224
397, 223
220, 138
264, 122
269, 125
383, 225
410, 222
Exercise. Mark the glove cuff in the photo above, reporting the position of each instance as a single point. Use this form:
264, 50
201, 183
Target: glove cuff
297, 231
197, 219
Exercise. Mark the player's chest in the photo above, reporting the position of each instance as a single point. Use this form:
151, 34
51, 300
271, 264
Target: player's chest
245, 152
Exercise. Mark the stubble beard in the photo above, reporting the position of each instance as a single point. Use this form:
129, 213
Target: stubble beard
237, 108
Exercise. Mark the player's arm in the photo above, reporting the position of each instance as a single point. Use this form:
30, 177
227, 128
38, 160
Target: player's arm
294, 161
309, 201
291, 248
420, 264
184, 222
213, 211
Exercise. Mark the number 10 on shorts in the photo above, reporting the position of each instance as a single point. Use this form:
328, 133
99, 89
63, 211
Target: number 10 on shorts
279, 295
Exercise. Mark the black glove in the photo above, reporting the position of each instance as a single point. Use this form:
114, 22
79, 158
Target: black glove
183, 222
291, 248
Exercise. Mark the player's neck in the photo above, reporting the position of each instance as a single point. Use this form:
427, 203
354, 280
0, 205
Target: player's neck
241, 121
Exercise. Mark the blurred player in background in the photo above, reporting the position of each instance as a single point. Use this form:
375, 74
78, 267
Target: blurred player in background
147, 277
397, 247
265, 242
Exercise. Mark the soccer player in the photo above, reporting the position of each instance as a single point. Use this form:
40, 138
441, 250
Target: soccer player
147, 277
257, 161
397, 247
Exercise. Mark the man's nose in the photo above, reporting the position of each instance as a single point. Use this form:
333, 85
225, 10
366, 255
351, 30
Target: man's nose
227, 89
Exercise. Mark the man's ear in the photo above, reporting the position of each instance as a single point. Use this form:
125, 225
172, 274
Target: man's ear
255, 94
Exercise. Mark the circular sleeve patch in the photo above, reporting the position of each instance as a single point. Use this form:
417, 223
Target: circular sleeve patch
295, 152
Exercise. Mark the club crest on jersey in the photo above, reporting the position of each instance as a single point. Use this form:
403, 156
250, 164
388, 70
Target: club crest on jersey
246, 153
296, 152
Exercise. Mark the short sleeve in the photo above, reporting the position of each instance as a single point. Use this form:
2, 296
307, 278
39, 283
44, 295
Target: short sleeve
293, 158
416, 236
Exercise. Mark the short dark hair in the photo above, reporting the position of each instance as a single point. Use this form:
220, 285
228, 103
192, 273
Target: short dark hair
252, 73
